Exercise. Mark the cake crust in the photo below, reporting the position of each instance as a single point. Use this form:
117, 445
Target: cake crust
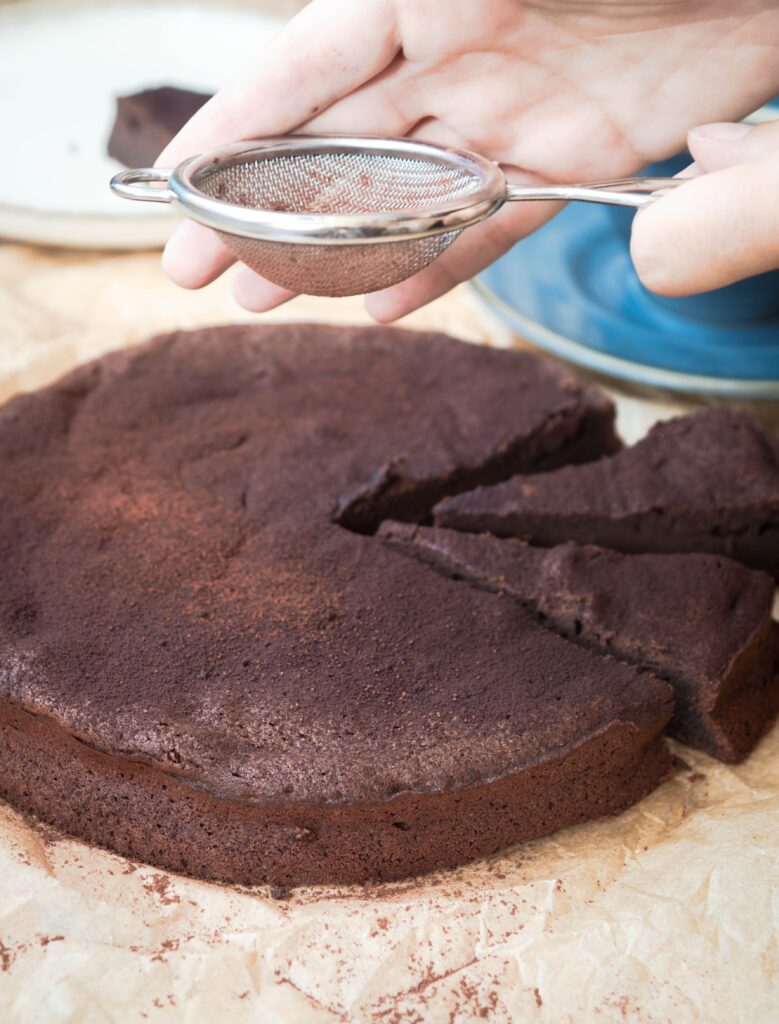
134, 809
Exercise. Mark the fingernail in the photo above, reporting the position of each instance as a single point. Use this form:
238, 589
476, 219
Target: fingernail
720, 132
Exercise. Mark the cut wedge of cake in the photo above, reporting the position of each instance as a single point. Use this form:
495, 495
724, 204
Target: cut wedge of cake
703, 622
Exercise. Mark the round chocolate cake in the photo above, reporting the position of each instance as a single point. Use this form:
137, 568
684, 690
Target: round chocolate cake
210, 662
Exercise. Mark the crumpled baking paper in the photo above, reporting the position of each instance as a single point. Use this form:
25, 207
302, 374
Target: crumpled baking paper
666, 913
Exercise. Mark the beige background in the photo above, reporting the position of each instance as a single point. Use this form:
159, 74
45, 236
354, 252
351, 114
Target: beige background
667, 913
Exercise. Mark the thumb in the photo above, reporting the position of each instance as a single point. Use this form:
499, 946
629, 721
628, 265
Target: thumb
721, 226
716, 146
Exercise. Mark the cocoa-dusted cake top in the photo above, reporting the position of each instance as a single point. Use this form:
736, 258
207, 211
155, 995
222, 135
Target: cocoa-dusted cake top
708, 482
175, 588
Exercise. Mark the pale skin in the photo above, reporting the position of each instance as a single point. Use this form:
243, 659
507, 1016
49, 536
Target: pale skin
724, 225
555, 91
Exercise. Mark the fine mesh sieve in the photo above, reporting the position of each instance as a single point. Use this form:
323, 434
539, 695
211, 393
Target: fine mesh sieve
330, 215
341, 183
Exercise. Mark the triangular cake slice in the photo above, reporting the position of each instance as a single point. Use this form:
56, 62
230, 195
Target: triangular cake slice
701, 621
708, 482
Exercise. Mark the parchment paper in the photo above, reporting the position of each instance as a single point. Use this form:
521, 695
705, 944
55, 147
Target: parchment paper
666, 913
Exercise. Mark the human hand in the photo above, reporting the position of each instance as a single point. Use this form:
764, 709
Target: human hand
555, 91
720, 228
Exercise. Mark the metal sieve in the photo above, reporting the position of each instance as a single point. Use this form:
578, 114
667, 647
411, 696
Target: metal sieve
346, 215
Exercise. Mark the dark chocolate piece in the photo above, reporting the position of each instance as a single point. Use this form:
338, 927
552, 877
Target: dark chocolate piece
708, 482
703, 622
146, 122
200, 668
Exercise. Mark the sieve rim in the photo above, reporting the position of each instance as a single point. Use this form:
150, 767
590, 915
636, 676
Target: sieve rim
338, 229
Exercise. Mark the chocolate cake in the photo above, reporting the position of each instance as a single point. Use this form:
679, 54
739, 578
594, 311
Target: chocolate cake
708, 482
200, 667
146, 121
702, 622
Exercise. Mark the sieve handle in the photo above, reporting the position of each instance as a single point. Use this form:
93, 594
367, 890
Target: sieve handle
619, 192
134, 184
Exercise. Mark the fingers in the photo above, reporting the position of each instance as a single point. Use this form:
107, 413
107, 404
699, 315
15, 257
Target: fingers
440, 133
331, 48
716, 146
720, 227
382, 106
255, 293
471, 252
194, 256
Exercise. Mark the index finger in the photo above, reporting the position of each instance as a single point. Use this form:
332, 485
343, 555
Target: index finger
329, 49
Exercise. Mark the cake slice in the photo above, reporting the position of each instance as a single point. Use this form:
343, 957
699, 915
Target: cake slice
702, 622
146, 122
708, 482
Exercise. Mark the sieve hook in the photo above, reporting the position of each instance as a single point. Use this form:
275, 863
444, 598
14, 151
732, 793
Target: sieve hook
128, 184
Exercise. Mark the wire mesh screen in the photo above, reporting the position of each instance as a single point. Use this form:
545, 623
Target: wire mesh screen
337, 183
341, 269
346, 183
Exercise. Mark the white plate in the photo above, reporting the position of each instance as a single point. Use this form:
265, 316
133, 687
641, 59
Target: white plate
61, 67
